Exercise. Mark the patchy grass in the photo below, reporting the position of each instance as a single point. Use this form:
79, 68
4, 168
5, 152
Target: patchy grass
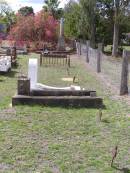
108, 48
55, 140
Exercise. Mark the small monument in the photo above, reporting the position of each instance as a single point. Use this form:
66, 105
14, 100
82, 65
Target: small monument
31, 92
32, 72
33, 76
61, 41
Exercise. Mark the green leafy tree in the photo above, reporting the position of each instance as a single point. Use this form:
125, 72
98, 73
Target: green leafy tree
120, 7
72, 15
96, 20
25, 11
104, 21
89, 15
7, 16
115, 14
52, 6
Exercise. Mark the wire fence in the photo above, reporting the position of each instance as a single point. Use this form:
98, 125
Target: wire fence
110, 67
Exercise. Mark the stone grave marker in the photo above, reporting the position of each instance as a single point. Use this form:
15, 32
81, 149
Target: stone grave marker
32, 72
61, 41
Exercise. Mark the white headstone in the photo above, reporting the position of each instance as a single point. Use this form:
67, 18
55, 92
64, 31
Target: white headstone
32, 72
5, 63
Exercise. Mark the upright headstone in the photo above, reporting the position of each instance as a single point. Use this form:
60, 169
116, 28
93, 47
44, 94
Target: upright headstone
32, 72
124, 74
61, 41
23, 85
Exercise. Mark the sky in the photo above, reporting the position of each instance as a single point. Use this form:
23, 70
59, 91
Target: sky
36, 4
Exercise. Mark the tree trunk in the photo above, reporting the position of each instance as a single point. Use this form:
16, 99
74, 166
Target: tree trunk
92, 37
116, 30
115, 40
92, 24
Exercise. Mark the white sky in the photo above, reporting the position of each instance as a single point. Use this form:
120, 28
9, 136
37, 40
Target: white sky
36, 4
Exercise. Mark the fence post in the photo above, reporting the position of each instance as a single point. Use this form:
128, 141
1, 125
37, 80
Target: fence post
124, 74
80, 48
99, 51
77, 47
87, 50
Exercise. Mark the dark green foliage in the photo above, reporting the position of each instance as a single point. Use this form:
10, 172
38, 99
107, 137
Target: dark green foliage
89, 14
94, 20
52, 6
72, 16
25, 11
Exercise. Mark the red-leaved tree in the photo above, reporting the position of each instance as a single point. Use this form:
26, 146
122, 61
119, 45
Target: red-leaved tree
34, 28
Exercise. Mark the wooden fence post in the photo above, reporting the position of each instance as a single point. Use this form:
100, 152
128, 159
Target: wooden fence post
87, 50
124, 74
99, 51
77, 47
80, 51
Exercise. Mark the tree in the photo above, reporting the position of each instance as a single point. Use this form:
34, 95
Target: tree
81, 19
7, 16
95, 20
4, 8
45, 26
25, 11
41, 27
72, 15
104, 21
89, 15
120, 22
52, 6
119, 12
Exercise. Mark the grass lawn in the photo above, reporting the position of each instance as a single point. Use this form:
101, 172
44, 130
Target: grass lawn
108, 48
38, 139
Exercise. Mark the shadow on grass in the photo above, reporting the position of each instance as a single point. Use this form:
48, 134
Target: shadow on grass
124, 170
10, 74
15, 66
105, 121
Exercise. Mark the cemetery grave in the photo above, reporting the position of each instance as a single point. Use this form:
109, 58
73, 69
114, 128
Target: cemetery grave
10, 52
5, 63
31, 92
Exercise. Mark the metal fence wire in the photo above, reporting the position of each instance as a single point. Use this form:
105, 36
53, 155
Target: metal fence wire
110, 67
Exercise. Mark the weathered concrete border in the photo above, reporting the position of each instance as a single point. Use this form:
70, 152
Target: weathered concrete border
60, 101
61, 93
